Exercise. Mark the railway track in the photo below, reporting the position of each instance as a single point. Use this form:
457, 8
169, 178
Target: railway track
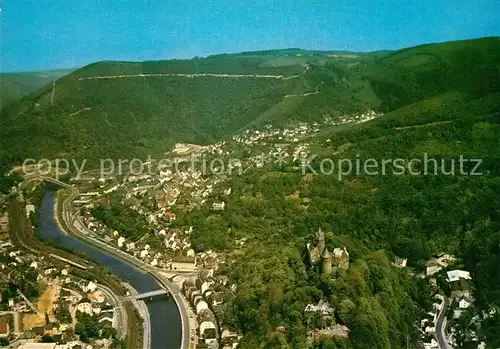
22, 235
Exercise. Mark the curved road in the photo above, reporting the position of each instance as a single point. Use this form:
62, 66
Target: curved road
441, 326
120, 315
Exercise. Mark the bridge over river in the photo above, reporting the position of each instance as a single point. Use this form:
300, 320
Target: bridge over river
150, 294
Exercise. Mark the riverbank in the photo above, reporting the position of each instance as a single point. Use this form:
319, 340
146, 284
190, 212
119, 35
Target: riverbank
64, 211
140, 308
162, 281
58, 214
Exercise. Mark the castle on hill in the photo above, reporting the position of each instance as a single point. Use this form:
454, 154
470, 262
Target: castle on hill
339, 259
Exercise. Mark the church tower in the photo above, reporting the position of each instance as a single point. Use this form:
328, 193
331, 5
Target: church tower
326, 262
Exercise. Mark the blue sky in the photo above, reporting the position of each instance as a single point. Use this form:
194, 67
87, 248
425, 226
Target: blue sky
39, 35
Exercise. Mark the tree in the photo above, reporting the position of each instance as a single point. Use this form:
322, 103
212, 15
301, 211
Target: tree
47, 339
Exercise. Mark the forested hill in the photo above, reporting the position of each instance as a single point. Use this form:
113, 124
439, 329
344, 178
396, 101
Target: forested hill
116, 109
277, 210
420, 72
13, 86
139, 109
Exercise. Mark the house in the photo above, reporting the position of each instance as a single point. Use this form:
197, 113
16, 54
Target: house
432, 268
207, 328
341, 258
97, 296
400, 262
456, 275
91, 287
431, 345
323, 308
229, 339
85, 308
201, 305
430, 330
4, 223
215, 298
121, 240
4, 329
208, 333
29, 209
445, 259
333, 331
210, 262
463, 304
218, 206
170, 216
182, 263
457, 313
460, 289
51, 329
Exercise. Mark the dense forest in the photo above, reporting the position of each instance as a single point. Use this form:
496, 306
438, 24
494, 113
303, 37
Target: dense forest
125, 220
412, 216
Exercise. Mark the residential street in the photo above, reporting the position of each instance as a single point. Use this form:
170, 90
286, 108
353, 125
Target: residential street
441, 326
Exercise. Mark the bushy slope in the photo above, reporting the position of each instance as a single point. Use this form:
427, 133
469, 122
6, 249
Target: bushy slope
146, 114
135, 115
416, 73
13, 86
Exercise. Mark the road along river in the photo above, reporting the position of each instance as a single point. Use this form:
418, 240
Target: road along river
164, 315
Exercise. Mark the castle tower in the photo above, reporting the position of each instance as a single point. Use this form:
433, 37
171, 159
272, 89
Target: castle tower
321, 241
326, 262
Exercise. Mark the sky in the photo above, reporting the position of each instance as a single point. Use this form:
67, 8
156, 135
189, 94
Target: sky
41, 35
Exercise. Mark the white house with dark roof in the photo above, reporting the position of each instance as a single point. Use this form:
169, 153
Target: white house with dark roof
322, 307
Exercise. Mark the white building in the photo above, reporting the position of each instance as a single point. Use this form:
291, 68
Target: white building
456, 275
323, 307
432, 345
85, 308
432, 269
463, 304
202, 305
218, 206
91, 287
30, 208
400, 262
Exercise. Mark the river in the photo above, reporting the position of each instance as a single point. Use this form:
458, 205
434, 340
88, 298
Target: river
164, 315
